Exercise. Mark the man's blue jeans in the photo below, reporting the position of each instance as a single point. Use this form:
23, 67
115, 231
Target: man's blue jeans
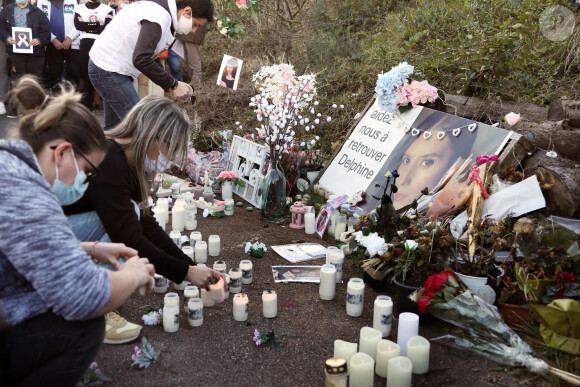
174, 65
117, 91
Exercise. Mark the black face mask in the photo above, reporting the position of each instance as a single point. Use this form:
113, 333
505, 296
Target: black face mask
115, 7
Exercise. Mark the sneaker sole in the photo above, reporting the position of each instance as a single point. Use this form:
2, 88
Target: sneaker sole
123, 341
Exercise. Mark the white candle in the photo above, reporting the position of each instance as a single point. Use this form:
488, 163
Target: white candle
194, 237
386, 350
329, 251
332, 222
190, 216
240, 308
355, 293
361, 368
229, 207
164, 203
418, 352
269, 304
160, 215
340, 225
369, 338
344, 349
213, 245
161, 284
235, 280
175, 190
200, 252
188, 250
309, 224
175, 237
246, 267
220, 266
227, 292
171, 312
206, 298
181, 285
327, 288
178, 218
399, 372
195, 312
189, 293
217, 291
408, 327
337, 259
179, 202
383, 315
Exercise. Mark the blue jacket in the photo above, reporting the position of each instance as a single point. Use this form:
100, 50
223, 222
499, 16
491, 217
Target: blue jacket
35, 19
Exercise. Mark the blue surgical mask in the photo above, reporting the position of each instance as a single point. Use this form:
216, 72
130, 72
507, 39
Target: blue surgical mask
159, 165
68, 195
21, 1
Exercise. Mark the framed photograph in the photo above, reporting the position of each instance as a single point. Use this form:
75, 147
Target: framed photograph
229, 73
22, 36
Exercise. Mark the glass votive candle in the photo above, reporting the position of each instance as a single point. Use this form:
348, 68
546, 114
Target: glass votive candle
213, 245
355, 293
240, 308
246, 267
195, 312
161, 284
269, 304
194, 237
220, 266
188, 293
235, 280
201, 252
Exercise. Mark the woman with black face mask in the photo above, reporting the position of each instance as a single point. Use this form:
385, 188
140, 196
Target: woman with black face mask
91, 18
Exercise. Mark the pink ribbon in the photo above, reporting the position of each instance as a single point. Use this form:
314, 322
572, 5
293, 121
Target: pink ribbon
474, 176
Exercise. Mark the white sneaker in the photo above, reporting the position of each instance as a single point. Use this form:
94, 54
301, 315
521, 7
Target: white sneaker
2, 109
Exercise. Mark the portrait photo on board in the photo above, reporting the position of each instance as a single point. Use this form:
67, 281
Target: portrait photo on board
22, 36
229, 73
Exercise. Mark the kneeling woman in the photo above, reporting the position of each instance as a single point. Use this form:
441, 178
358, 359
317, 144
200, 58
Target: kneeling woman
52, 296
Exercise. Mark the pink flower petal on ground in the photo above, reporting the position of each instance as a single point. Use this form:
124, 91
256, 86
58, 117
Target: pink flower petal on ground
289, 305
512, 118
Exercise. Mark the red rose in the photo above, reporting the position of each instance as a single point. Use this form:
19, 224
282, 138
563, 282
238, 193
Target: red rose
447, 274
435, 282
428, 293
422, 304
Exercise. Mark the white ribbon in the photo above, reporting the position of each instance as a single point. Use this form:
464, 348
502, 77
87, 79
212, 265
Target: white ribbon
22, 39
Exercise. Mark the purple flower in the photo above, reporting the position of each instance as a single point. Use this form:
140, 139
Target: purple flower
258, 342
93, 365
97, 371
134, 357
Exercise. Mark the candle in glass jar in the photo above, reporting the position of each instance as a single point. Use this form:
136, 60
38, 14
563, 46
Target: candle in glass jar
344, 349
178, 218
332, 222
361, 368
208, 196
179, 202
206, 298
269, 304
200, 252
175, 190
197, 191
327, 288
386, 350
194, 237
181, 285
329, 251
164, 203
160, 215
195, 312
188, 250
309, 223
189, 293
171, 312
337, 259
190, 216
355, 293
217, 291
408, 327
418, 352
246, 267
227, 290
383, 315
240, 308
175, 237
399, 372
220, 266
235, 280
340, 226
161, 284
229, 207
369, 338
213, 245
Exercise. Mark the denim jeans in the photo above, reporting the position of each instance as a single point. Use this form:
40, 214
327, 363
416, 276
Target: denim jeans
174, 65
117, 91
47, 350
87, 227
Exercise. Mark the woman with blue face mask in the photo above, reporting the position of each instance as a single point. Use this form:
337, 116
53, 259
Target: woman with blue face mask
52, 295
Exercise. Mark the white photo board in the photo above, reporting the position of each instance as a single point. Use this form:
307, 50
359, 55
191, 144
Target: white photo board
247, 159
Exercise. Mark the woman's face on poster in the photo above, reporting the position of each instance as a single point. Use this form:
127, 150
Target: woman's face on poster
229, 69
422, 165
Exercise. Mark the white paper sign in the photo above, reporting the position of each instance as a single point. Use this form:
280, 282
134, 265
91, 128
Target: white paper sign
22, 36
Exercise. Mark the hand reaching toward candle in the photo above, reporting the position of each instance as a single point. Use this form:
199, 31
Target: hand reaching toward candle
202, 277
108, 253
142, 270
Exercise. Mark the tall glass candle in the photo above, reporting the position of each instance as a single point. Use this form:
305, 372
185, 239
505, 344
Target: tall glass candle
220, 266
309, 224
340, 225
329, 251
332, 223
369, 338
175, 190
195, 312
227, 188
188, 250
206, 298
355, 293
213, 245
189, 293
383, 315
418, 352
235, 280
386, 350
194, 237
200, 252
217, 291
171, 312
246, 267
161, 284
337, 259
175, 237
179, 202
327, 288
229, 207
344, 349
269, 304
399, 372
361, 368
190, 216
178, 218
408, 327
164, 203
160, 215
240, 308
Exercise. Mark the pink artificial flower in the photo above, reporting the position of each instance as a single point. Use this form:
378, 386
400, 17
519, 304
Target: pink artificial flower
134, 357
93, 365
224, 175
233, 175
97, 371
219, 23
512, 118
241, 4
485, 159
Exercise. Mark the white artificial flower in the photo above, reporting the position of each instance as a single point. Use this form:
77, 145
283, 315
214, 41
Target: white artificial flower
317, 138
316, 103
307, 120
237, 122
328, 118
313, 142
302, 143
374, 244
334, 106
317, 121
342, 106
410, 245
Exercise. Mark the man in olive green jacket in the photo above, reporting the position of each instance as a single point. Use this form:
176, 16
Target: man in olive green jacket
192, 43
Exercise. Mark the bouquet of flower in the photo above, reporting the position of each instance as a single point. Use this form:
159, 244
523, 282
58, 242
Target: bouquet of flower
229, 176
93, 376
265, 337
153, 316
256, 250
395, 92
229, 28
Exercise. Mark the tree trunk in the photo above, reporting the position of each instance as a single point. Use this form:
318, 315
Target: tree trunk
489, 110
552, 135
563, 108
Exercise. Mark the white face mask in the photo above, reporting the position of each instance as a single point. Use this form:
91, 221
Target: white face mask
159, 165
184, 25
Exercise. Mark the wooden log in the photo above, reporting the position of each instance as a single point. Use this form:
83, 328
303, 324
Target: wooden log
515, 151
483, 110
552, 135
564, 108
560, 182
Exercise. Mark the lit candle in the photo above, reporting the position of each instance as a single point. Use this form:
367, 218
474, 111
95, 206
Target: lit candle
337, 259
190, 216
188, 250
269, 304
229, 207
160, 215
189, 293
181, 285
418, 352
213, 245
329, 251
195, 312
171, 312
200, 252
240, 308
344, 349
369, 338
355, 293
235, 280
386, 350
361, 368
194, 237
399, 372
247, 271
175, 237
340, 225
309, 224
383, 315
327, 288
206, 298
161, 284
178, 218
220, 266
408, 327
217, 291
